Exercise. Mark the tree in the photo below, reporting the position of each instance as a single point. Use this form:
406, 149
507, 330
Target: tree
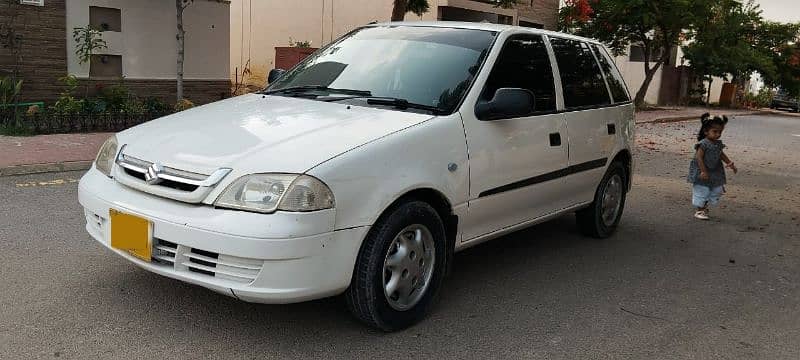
419, 7
723, 45
656, 26
180, 5
736, 41
781, 42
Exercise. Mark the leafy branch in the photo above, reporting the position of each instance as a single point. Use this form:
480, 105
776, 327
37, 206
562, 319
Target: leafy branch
89, 40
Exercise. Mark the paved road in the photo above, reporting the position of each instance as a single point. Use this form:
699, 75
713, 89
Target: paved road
665, 286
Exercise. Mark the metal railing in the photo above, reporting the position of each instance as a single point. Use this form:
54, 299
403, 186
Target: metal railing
55, 123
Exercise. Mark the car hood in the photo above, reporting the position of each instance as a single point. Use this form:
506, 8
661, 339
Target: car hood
256, 133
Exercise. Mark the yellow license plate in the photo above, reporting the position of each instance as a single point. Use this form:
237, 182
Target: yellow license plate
131, 233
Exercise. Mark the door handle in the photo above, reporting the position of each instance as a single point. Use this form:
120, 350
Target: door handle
612, 129
555, 139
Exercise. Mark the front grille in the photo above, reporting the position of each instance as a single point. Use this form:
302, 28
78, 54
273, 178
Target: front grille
169, 177
209, 263
232, 268
164, 251
206, 264
135, 174
178, 185
165, 181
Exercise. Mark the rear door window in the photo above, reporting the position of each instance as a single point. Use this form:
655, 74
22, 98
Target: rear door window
524, 63
581, 80
615, 83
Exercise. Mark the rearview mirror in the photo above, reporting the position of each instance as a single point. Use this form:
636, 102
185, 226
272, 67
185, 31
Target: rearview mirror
275, 74
507, 103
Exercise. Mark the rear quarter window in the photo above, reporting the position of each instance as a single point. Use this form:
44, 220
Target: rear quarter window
615, 83
581, 80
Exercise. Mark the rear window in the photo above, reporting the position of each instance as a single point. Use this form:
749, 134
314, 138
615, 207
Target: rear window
618, 90
581, 80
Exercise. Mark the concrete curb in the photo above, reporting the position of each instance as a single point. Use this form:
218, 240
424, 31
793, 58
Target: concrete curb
46, 168
694, 117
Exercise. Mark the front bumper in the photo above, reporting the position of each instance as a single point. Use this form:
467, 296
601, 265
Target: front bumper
274, 258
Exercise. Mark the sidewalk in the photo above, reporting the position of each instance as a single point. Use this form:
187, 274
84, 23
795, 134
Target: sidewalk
48, 153
671, 114
68, 152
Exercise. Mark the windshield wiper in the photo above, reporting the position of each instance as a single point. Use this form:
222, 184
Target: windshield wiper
307, 88
398, 103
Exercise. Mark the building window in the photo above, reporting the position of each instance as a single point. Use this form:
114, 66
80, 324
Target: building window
105, 19
105, 66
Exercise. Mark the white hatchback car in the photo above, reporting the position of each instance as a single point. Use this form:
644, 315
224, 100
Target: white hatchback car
365, 167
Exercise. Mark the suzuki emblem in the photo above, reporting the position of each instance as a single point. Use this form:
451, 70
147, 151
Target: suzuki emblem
151, 176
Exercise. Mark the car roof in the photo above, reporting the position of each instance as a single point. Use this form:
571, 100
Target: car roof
485, 27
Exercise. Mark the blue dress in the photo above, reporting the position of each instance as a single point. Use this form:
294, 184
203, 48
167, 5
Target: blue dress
713, 160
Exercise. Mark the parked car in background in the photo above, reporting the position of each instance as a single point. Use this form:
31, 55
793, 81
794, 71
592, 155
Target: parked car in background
361, 170
782, 100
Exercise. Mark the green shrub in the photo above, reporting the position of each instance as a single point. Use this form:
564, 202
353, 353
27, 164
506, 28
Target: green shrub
9, 90
116, 97
156, 105
760, 100
66, 103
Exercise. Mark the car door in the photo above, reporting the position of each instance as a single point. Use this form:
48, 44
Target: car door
592, 119
515, 163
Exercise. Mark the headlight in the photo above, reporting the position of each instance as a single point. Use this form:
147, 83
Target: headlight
267, 193
106, 156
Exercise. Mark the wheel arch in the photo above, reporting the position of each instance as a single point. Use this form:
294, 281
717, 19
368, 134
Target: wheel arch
624, 156
443, 207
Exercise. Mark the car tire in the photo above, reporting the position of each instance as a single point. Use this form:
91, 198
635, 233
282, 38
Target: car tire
406, 246
601, 218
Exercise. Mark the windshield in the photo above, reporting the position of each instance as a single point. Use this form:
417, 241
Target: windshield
428, 66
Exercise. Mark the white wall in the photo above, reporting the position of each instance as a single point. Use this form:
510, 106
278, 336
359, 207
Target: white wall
633, 73
147, 41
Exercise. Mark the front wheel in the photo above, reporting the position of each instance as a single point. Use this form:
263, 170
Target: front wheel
399, 268
600, 219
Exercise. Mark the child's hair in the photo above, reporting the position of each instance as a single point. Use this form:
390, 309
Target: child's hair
707, 122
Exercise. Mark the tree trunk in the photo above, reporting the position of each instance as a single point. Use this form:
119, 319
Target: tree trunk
181, 36
648, 78
399, 10
708, 96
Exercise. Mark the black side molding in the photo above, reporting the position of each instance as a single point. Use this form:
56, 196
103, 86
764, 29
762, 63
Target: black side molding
574, 169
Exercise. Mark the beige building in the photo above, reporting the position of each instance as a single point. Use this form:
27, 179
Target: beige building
258, 26
142, 50
141, 39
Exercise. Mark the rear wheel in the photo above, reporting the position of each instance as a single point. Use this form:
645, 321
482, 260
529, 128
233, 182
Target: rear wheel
601, 218
400, 268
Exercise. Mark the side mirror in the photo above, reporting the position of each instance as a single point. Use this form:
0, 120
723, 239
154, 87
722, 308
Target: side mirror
275, 74
506, 103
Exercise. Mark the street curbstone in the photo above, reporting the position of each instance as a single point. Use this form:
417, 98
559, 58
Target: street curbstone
672, 119
45, 168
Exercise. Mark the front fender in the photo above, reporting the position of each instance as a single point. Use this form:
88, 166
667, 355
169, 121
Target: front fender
367, 179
